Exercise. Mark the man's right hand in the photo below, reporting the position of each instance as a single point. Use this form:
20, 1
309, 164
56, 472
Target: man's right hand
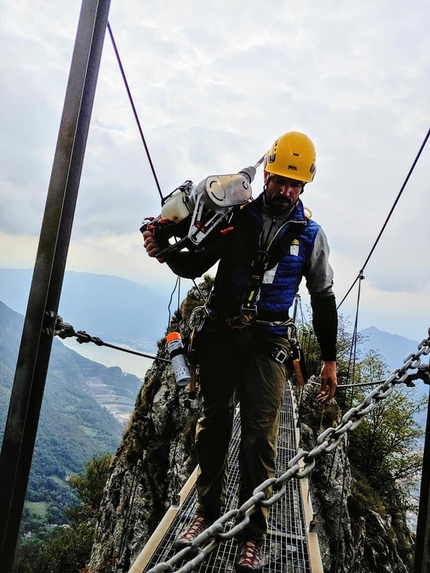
151, 245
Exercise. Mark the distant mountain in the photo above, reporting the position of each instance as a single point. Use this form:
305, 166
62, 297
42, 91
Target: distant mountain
111, 308
76, 421
392, 347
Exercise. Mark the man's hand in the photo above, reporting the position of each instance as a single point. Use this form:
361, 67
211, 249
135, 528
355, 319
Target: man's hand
328, 381
150, 243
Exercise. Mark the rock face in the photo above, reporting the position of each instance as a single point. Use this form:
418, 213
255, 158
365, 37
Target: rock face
153, 461
352, 537
156, 457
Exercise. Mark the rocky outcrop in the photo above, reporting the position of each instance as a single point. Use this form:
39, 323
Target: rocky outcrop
352, 536
152, 463
156, 457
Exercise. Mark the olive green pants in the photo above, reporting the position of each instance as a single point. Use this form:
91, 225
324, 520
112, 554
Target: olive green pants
236, 365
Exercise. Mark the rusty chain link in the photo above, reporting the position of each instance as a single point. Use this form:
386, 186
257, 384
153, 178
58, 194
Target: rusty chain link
234, 521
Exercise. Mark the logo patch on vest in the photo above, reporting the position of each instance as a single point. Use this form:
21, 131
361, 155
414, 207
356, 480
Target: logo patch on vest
294, 248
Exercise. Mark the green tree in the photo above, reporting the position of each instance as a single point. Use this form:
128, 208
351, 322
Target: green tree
384, 449
385, 446
346, 353
89, 489
68, 548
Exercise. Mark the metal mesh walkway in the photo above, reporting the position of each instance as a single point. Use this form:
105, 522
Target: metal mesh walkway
286, 548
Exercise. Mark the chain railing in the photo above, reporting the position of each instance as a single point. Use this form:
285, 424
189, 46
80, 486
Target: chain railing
270, 491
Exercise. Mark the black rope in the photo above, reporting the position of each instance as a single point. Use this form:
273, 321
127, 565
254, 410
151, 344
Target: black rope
423, 374
64, 330
125, 523
169, 306
360, 384
201, 293
388, 217
353, 350
134, 109
174, 465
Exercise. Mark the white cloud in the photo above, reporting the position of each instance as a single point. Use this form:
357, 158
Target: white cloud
214, 85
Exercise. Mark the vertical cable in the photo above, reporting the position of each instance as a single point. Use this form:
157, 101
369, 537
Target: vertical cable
130, 97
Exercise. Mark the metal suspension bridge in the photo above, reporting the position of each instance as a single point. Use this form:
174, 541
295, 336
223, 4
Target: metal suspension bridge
290, 545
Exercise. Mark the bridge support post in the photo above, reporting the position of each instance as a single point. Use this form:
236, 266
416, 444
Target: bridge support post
36, 342
422, 543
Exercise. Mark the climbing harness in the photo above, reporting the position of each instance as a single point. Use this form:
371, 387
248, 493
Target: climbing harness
248, 309
294, 356
264, 260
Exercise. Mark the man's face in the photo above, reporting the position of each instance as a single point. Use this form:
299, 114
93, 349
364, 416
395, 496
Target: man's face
282, 192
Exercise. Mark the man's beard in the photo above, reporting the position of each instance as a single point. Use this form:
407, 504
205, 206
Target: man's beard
281, 204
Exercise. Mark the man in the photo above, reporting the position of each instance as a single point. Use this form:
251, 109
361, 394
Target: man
272, 245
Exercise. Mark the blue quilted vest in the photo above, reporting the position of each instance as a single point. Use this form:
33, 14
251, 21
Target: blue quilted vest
281, 282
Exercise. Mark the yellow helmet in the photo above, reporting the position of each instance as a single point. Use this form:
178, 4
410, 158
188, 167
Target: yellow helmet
292, 155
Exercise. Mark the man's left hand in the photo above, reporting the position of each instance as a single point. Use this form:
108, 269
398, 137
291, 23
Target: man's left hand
328, 381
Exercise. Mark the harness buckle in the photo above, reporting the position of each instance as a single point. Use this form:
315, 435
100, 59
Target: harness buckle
279, 355
248, 314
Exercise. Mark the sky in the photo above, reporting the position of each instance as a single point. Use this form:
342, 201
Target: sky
214, 84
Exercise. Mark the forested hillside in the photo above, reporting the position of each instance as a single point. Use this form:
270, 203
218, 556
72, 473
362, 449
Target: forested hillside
73, 425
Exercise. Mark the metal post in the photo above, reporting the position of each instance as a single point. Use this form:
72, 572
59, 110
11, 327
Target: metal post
48, 275
422, 549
